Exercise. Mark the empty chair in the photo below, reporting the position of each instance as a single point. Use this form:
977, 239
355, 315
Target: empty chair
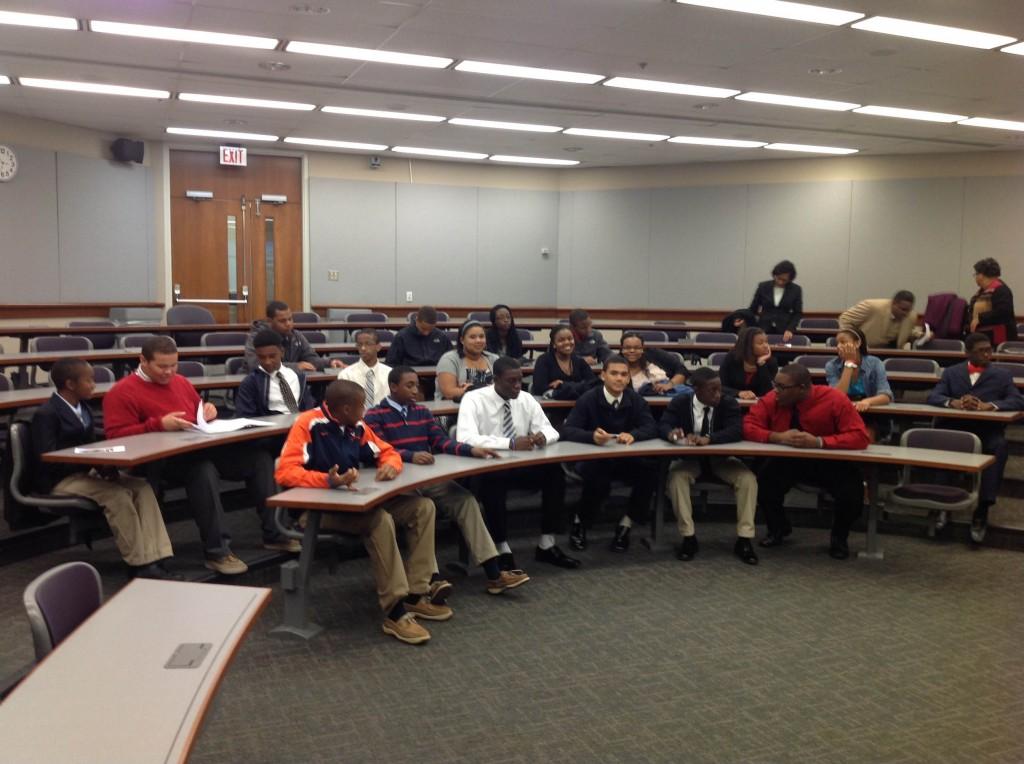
797, 340
715, 359
934, 492
191, 369
314, 335
453, 335
483, 316
715, 337
58, 601
818, 323
1016, 369
103, 374
921, 365
54, 345
223, 339
305, 317
234, 365
525, 335
385, 335
186, 315
134, 340
941, 344
650, 335
1016, 348
103, 341
830, 342
674, 335
367, 318
5, 383
814, 362
130, 316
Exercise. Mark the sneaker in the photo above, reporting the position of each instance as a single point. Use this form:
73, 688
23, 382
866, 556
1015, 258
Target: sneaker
283, 544
509, 579
427, 610
978, 530
439, 591
405, 629
228, 565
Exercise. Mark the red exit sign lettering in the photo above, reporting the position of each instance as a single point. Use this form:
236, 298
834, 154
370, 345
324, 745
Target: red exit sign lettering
232, 155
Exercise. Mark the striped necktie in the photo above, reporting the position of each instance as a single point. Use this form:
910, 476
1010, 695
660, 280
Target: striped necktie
370, 389
507, 428
287, 395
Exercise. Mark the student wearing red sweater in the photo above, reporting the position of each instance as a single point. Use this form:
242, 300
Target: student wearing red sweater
799, 414
158, 399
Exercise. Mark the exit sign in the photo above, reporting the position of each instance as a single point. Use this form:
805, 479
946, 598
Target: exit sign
232, 155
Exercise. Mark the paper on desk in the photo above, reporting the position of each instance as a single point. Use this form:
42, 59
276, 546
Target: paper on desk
224, 425
99, 450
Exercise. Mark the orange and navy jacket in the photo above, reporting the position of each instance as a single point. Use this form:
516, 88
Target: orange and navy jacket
318, 441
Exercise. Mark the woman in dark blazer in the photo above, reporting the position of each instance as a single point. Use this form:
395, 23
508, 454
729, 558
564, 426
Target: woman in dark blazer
749, 370
779, 303
991, 310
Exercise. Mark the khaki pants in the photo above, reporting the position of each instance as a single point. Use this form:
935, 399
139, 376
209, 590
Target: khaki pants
461, 506
132, 513
732, 471
394, 578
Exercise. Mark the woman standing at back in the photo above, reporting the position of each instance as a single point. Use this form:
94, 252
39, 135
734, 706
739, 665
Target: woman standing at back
991, 309
779, 303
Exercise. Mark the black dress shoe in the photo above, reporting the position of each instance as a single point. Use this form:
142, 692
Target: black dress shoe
621, 541
556, 556
745, 551
506, 561
838, 549
772, 539
688, 549
578, 537
157, 571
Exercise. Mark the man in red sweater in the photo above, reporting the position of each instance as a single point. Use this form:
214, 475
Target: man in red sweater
799, 414
158, 399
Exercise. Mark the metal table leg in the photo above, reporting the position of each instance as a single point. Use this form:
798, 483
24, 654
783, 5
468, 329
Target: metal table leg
653, 542
872, 551
295, 584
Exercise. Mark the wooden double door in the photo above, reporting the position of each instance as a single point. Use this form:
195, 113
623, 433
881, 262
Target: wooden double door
237, 244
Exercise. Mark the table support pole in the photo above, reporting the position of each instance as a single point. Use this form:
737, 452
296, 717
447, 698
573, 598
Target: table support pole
295, 585
872, 551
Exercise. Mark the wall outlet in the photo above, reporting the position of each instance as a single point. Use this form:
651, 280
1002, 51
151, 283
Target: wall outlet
408, 296
332, 275
544, 251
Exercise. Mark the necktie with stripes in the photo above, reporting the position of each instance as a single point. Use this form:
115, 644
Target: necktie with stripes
370, 389
286, 394
507, 428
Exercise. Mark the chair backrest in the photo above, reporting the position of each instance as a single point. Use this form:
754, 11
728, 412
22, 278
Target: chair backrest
943, 344
1020, 330
234, 365
716, 359
1011, 347
222, 339
314, 335
5, 383
103, 374
58, 601
813, 362
367, 318
99, 341
304, 317
183, 315
942, 440
716, 337
797, 340
385, 335
453, 335
818, 323
191, 369
442, 316
126, 316
1016, 369
525, 334
134, 340
923, 365
478, 315
650, 335
62, 342
830, 342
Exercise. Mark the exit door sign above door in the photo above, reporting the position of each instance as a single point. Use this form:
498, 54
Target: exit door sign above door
232, 155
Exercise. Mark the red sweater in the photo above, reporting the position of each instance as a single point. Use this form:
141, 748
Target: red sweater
134, 406
826, 412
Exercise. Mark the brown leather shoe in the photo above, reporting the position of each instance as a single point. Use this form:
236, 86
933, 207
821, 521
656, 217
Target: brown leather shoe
424, 608
509, 579
405, 629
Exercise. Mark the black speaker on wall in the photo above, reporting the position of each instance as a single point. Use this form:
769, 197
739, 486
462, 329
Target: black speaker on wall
127, 150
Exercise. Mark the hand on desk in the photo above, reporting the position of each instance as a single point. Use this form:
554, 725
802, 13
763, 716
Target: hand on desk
625, 438
386, 472
175, 421
337, 363
522, 443
861, 406
538, 439
337, 478
484, 453
747, 395
601, 437
305, 366
423, 457
796, 439
971, 403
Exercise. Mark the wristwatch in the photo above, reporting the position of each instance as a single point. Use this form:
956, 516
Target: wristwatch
850, 365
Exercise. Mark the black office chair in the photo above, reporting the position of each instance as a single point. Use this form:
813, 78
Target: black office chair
185, 315
814, 362
650, 335
191, 369
818, 323
54, 345
104, 341
1017, 348
941, 344
715, 337
314, 335
306, 318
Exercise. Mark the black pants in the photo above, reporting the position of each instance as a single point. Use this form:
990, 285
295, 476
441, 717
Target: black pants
200, 472
640, 473
549, 479
843, 480
993, 441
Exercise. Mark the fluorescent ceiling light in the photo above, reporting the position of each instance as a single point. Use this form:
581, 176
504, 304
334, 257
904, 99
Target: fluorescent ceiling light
934, 32
337, 144
257, 102
586, 131
809, 149
998, 124
926, 116
503, 125
183, 35
381, 114
533, 160
528, 72
676, 88
92, 87
1017, 50
4, 80
782, 10
37, 20
367, 54
230, 134
728, 142
438, 152
803, 103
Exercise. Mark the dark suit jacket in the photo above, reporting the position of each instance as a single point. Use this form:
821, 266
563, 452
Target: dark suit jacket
734, 377
253, 395
726, 419
776, 320
592, 410
55, 426
995, 385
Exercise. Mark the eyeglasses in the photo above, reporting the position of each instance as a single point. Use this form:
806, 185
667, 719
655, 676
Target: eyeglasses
781, 387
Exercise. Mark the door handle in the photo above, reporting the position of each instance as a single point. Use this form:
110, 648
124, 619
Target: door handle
211, 300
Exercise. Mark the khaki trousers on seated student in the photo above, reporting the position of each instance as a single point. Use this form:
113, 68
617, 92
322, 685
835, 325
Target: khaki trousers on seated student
132, 513
395, 578
731, 471
461, 506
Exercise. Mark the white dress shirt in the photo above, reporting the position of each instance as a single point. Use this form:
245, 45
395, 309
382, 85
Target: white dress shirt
275, 401
698, 416
777, 293
480, 416
357, 373
612, 400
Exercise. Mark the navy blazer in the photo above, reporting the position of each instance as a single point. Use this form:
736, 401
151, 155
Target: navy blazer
726, 419
254, 393
592, 410
995, 385
784, 317
55, 426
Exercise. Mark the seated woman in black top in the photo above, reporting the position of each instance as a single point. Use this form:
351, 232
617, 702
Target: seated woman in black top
558, 373
749, 369
502, 337
652, 371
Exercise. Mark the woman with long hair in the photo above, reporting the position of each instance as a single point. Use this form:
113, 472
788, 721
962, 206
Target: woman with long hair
559, 373
748, 371
653, 371
502, 337
467, 367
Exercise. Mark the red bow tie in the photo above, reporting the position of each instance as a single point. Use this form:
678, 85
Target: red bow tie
972, 369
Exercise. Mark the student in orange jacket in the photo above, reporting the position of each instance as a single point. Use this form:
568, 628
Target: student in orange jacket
325, 449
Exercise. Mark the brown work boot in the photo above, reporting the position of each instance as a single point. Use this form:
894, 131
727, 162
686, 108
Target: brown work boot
509, 579
405, 629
